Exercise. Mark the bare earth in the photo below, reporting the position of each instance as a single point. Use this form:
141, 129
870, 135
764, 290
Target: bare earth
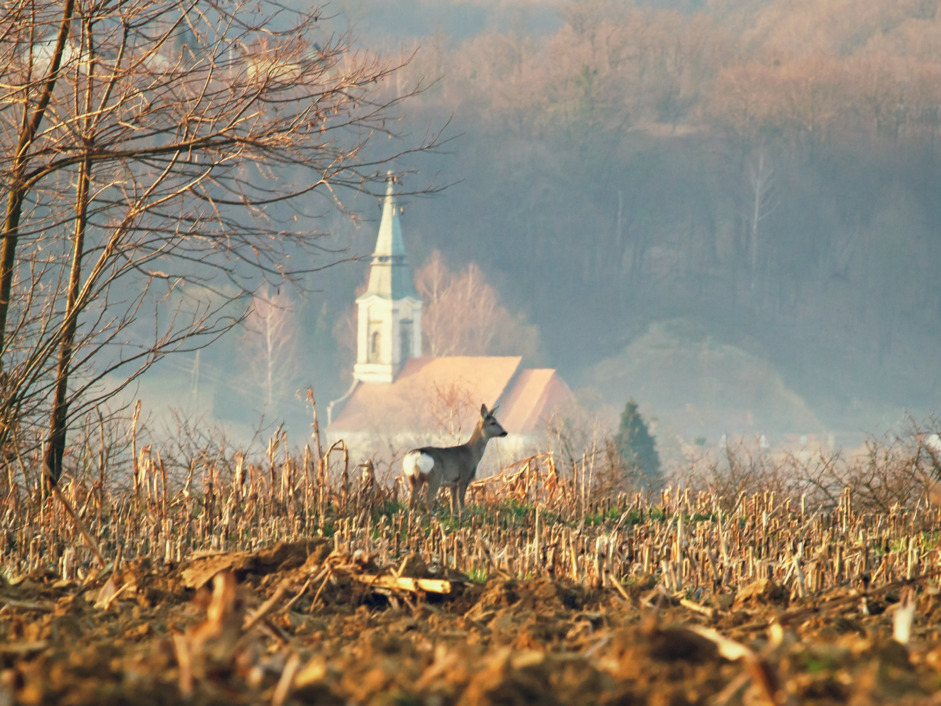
299, 623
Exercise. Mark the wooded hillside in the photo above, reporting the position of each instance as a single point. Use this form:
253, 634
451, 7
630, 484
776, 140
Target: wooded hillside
728, 211
769, 170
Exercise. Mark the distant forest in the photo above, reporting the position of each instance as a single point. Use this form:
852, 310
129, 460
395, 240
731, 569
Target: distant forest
768, 169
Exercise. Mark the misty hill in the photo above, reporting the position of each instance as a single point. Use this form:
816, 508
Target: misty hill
714, 386
767, 170
731, 205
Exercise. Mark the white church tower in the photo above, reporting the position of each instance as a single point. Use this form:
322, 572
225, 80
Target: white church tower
388, 313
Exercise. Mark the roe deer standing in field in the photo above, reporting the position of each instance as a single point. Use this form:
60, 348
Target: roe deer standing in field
453, 466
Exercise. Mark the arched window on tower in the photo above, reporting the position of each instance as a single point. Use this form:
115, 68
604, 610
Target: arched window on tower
374, 347
405, 340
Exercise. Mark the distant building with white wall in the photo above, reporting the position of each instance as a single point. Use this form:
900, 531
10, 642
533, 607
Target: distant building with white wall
400, 399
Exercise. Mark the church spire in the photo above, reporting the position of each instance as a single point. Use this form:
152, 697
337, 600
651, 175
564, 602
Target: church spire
389, 274
389, 311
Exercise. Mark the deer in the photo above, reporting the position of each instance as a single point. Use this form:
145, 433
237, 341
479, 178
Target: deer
430, 467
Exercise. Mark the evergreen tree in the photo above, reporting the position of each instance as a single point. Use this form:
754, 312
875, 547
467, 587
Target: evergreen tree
636, 446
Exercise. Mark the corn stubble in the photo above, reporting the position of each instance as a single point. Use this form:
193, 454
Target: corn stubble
694, 575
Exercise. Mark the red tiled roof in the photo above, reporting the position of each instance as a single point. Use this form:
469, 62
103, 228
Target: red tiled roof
445, 394
429, 394
534, 396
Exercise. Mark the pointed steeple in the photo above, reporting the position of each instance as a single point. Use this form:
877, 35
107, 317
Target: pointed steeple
389, 275
389, 311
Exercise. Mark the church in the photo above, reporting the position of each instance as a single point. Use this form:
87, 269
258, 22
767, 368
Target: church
400, 399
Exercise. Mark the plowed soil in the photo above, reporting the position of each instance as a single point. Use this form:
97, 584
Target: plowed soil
299, 623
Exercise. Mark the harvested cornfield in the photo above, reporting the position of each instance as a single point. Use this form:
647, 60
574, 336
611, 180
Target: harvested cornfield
305, 580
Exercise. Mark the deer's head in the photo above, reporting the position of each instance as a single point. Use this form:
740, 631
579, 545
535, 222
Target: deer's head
489, 424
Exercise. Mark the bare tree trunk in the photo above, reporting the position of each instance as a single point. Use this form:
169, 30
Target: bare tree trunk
55, 445
763, 203
58, 421
19, 189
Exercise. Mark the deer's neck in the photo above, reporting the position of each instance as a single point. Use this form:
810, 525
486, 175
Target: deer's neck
477, 442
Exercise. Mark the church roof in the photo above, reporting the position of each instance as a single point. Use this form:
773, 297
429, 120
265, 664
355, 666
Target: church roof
389, 276
534, 394
444, 394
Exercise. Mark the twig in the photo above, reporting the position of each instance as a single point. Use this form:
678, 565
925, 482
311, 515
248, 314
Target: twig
287, 606
698, 608
185, 662
313, 603
93, 545
283, 689
489, 557
105, 603
405, 583
620, 589
265, 607
27, 605
756, 668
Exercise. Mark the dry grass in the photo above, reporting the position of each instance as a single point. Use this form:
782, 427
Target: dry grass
811, 526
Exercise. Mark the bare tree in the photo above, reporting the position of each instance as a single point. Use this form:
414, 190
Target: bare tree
195, 141
462, 314
761, 203
271, 343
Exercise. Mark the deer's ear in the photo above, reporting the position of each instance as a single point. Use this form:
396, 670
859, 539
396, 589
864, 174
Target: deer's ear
483, 411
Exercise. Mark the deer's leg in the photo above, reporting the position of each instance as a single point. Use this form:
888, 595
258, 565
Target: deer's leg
461, 493
434, 484
416, 485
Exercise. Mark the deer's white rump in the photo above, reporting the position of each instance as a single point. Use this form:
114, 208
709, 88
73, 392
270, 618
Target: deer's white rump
430, 467
417, 462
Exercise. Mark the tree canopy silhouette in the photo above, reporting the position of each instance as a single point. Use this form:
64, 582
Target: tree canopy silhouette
636, 447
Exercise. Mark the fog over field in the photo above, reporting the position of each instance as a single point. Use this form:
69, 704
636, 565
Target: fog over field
727, 210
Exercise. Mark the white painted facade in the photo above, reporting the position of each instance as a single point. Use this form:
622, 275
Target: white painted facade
388, 313
388, 333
